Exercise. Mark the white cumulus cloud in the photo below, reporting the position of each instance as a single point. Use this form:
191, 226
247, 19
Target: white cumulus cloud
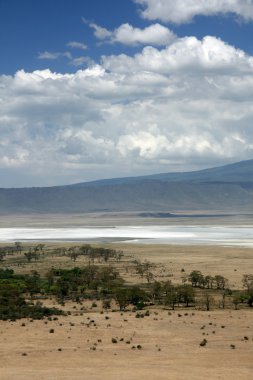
155, 34
182, 11
77, 45
54, 55
80, 61
100, 32
185, 54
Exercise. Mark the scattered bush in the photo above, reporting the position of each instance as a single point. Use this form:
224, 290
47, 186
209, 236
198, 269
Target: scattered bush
203, 343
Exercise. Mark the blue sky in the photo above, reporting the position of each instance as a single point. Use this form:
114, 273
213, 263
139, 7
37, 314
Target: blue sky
95, 89
30, 27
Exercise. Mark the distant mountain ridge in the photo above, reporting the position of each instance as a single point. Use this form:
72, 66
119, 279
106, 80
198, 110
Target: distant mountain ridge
237, 172
225, 188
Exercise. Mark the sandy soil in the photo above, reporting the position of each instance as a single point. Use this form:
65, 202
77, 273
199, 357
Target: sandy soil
170, 346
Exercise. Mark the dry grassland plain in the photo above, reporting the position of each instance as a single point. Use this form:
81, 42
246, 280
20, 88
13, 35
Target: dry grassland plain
164, 345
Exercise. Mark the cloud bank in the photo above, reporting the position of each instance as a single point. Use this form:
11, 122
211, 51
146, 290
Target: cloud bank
159, 110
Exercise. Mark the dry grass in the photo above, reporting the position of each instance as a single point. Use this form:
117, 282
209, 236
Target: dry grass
169, 260
170, 344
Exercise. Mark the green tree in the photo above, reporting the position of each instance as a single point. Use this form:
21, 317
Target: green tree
185, 294
156, 290
167, 287
247, 282
2, 255
33, 283
250, 301
122, 298
18, 246
236, 301
196, 278
221, 282
207, 300
171, 298
136, 295
31, 255
209, 281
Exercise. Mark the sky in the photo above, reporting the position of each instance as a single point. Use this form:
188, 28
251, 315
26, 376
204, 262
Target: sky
93, 89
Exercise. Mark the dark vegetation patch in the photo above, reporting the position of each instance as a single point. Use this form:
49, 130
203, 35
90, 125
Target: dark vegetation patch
100, 281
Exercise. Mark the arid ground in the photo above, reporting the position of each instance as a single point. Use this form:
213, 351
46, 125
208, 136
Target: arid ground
93, 344
81, 349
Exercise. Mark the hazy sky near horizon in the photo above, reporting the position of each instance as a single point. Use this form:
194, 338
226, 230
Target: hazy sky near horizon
94, 89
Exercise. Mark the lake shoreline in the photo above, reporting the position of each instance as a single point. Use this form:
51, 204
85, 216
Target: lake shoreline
240, 235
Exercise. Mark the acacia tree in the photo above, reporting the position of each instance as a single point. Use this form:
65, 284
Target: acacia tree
185, 294
208, 300
144, 270
18, 246
171, 297
33, 283
119, 255
196, 278
209, 282
156, 290
224, 294
31, 255
167, 287
149, 277
2, 255
250, 301
40, 248
247, 282
139, 268
236, 300
221, 282
73, 253
122, 298
137, 296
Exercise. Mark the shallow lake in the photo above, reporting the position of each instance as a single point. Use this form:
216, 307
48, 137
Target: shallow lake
218, 235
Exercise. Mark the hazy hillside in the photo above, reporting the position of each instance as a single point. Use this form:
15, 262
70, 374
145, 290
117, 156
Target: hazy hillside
237, 172
225, 188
